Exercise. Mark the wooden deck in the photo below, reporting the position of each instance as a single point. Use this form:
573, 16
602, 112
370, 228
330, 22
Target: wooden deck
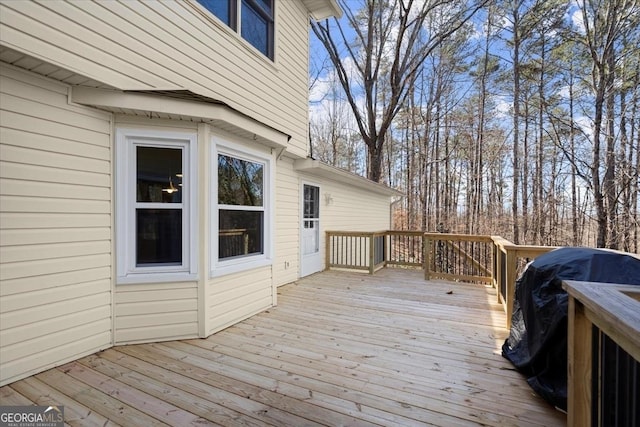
339, 349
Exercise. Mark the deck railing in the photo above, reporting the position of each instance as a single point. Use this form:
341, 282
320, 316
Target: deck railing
457, 257
356, 250
604, 354
405, 248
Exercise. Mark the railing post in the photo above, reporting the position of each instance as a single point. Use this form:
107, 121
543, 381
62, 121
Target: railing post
494, 267
426, 256
579, 349
372, 253
387, 247
510, 292
499, 273
327, 255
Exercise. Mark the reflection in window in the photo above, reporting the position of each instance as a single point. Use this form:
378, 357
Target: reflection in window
255, 27
240, 182
311, 201
241, 207
311, 222
240, 233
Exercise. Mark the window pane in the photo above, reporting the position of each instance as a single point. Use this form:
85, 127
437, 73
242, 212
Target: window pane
255, 28
240, 233
158, 236
159, 175
311, 201
240, 182
223, 9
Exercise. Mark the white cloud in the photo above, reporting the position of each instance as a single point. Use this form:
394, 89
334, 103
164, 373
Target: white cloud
577, 21
574, 15
319, 90
586, 126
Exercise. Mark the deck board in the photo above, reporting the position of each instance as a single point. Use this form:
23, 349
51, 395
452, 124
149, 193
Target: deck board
340, 348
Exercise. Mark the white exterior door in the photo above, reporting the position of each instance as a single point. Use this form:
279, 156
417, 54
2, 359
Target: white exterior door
310, 234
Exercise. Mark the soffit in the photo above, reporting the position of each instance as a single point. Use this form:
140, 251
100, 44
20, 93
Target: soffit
180, 105
46, 69
323, 9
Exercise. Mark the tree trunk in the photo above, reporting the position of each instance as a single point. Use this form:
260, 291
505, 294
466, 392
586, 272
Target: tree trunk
516, 126
609, 181
572, 155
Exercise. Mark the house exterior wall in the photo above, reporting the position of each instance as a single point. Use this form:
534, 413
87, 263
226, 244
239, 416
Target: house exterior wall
55, 226
235, 297
344, 209
61, 293
351, 210
286, 264
344, 212
172, 45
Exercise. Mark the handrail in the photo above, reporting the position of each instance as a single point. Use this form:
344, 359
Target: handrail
463, 237
614, 312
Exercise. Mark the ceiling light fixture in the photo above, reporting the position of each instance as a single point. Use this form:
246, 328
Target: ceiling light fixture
171, 188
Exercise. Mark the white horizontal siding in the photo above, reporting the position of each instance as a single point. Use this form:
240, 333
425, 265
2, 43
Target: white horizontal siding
346, 210
237, 296
55, 226
171, 45
287, 255
156, 312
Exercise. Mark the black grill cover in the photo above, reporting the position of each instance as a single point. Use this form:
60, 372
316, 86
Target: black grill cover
537, 343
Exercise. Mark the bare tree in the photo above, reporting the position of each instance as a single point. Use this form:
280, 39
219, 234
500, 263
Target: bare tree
605, 23
392, 40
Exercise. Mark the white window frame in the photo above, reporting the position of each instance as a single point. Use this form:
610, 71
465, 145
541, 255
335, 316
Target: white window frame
127, 271
235, 265
303, 219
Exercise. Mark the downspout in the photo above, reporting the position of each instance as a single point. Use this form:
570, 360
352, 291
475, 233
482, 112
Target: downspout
310, 144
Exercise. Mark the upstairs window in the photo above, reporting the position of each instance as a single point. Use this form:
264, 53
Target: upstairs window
253, 19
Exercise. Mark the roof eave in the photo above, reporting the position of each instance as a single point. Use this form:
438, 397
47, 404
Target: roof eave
323, 9
318, 168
